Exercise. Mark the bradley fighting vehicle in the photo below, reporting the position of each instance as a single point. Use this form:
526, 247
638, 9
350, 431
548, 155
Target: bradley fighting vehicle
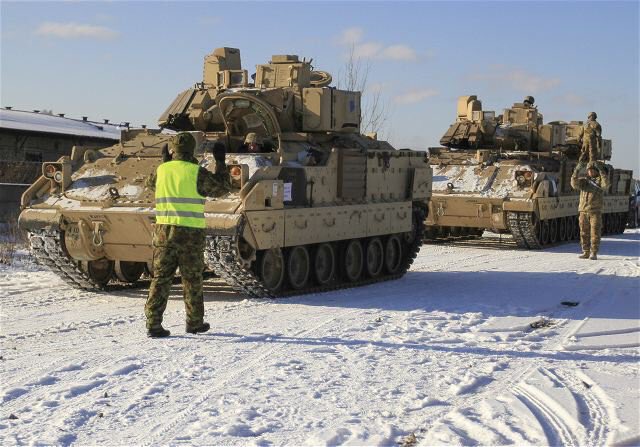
511, 174
318, 206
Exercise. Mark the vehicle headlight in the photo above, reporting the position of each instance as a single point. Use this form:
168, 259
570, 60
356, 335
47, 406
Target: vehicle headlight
524, 178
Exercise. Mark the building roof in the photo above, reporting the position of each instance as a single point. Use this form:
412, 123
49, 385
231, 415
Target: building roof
45, 123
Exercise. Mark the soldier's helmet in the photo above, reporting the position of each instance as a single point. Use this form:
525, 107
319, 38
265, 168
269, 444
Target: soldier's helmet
593, 115
252, 138
529, 100
183, 143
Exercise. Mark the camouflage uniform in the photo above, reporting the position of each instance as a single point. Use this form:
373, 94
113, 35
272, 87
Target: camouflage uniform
591, 139
590, 208
177, 246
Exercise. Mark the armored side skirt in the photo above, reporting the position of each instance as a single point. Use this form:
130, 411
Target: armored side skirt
491, 213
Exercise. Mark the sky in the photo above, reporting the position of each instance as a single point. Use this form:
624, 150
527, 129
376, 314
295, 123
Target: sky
126, 61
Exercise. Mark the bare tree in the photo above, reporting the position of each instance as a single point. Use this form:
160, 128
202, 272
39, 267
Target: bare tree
355, 77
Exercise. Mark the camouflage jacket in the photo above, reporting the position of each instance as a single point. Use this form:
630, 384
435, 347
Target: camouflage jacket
591, 191
591, 131
209, 184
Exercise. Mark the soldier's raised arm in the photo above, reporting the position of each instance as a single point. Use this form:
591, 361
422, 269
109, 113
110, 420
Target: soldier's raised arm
150, 182
217, 183
575, 180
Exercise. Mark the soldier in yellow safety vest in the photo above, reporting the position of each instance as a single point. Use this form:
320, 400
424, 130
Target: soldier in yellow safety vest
181, 186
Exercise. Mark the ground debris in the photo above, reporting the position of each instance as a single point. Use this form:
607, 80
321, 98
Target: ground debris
542, 323
409, 440
570, 303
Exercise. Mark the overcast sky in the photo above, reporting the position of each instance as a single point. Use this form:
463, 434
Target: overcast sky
126, 61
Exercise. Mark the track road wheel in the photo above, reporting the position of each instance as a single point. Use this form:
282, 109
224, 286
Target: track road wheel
411, 235
100, 271
271, 269
298, 267
353, 260
562, 229
430, 233
374, 257
626, 220
129, 271
324, 264
393, 254
568, 228
553, 231
576, 228
622, 222
544, 232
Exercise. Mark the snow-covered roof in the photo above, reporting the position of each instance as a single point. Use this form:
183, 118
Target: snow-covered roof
42, 122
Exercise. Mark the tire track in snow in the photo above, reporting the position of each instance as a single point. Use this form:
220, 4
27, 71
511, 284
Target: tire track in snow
32, 384
553, 422
592, 411
519, 370
105, 372
164, 434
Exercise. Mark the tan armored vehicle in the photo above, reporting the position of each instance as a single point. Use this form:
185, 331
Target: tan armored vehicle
511, 174
315, 205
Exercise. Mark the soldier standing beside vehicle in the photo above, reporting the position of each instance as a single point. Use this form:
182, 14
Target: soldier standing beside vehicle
179, 237
592, 190
591, 138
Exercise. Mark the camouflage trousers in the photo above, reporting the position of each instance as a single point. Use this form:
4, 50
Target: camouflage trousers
590, 230
589, 150
175, 247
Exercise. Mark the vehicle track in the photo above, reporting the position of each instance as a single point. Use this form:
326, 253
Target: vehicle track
554, 425
593, 413
223, 256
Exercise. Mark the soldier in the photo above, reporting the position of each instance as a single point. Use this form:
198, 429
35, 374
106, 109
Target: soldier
528, 101
591, 189
253, 144
591, 138
178, 240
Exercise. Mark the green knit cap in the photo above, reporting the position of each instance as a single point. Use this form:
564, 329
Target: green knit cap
183, 144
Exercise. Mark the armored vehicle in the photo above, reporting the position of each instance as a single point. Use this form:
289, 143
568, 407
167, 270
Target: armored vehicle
511, 174
315, 204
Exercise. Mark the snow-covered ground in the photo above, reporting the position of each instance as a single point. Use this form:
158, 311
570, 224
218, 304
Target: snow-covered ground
446, 355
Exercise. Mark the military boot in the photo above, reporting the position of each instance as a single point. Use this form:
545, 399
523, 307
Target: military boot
202, 327
594, 256
584, 255
158, 332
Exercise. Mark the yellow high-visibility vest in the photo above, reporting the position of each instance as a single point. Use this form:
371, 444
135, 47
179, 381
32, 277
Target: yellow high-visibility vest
177, 199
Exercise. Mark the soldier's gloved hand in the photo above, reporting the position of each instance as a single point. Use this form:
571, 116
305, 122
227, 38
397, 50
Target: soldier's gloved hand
219, 152
166, 155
